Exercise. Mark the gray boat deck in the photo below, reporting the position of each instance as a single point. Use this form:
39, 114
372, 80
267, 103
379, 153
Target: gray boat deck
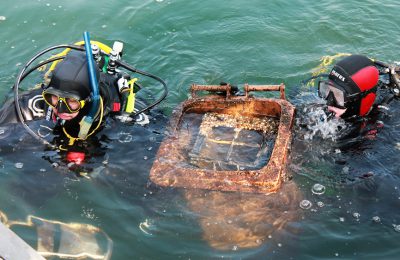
13, 247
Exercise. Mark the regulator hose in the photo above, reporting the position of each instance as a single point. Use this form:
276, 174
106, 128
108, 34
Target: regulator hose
147, 74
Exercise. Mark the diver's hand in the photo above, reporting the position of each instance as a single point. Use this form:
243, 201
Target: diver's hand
123, 85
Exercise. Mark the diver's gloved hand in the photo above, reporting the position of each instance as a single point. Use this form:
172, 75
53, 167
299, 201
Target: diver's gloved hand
126, 87
123, 85
123, 88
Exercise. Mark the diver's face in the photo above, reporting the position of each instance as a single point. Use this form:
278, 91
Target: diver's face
65, 108
65, 116
335, 97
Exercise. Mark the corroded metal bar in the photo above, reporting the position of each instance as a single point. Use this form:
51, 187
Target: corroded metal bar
249, 88
211, 88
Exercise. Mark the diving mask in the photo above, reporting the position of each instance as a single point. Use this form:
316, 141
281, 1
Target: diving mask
337, 96
64, 102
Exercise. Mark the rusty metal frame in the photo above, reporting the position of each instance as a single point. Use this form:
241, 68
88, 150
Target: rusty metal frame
167, 168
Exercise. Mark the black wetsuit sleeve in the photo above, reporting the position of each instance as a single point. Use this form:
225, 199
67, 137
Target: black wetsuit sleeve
110, 94
32, 106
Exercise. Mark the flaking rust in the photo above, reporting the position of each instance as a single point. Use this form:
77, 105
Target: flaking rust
205, 151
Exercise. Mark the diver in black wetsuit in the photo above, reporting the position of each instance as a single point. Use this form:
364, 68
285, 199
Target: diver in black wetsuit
355, 93
67, 98
338, 137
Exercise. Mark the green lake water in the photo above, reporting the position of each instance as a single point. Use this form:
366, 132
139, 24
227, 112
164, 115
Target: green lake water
207, 42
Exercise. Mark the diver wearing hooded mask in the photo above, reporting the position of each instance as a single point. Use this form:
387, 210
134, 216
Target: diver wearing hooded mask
351, 93
356, 95
68, 95
66, 100
350, 90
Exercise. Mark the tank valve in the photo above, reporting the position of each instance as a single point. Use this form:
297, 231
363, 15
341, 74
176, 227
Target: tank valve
112, 62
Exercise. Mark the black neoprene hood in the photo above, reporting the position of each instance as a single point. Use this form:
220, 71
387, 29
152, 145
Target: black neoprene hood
343, 71
356, 74
71, 76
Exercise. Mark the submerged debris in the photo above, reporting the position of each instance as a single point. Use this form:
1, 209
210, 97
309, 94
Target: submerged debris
230, 143
265, 124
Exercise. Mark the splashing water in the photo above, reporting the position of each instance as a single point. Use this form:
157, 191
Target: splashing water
318, 123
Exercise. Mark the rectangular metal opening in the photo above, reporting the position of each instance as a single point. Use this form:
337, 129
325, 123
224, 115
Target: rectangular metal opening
225, 142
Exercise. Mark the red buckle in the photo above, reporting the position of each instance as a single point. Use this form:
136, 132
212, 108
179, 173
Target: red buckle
116, 107
75, 157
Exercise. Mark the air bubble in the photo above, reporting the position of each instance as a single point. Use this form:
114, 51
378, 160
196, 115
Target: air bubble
147, 226
305, 204
318, 189
2, 18
125, 138
19, 165
376, 219
341, 219
396, 228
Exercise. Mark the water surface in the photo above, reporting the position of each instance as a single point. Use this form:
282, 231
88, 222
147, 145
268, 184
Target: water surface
206, 42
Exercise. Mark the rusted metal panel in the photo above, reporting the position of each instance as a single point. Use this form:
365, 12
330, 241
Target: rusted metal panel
172, 166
